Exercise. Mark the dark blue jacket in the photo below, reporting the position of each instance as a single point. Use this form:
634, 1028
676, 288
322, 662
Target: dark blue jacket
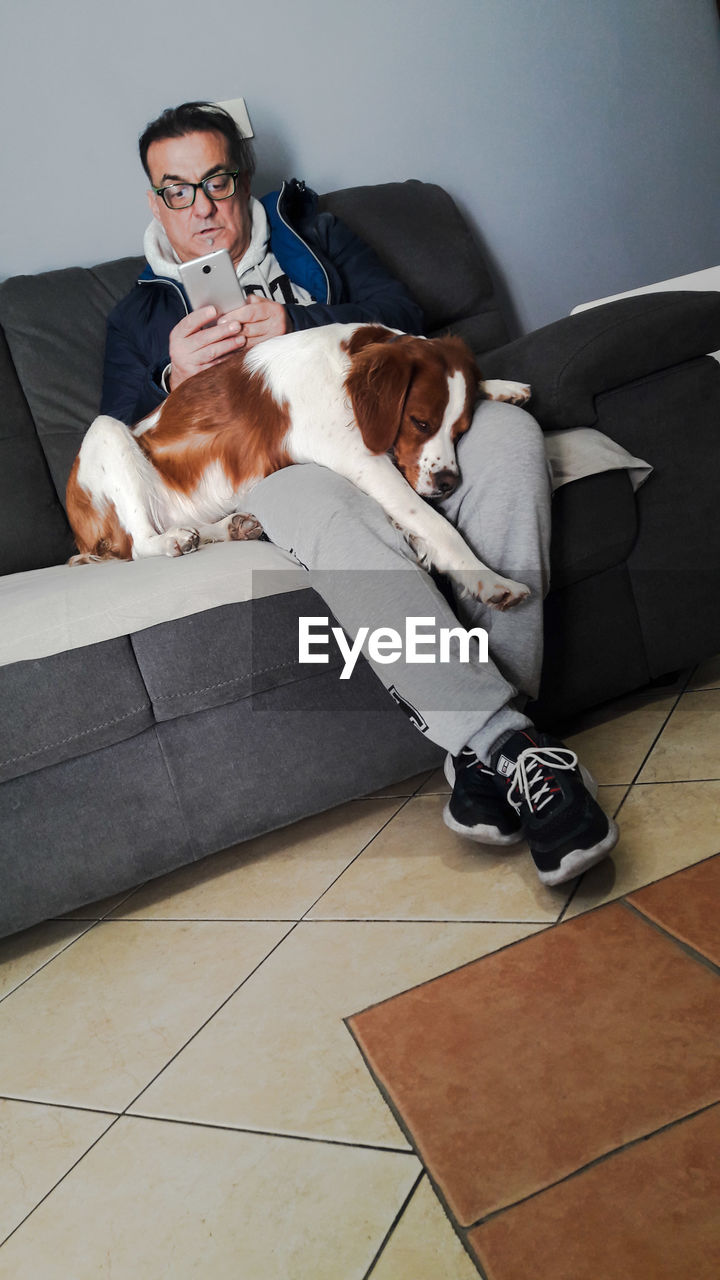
314, 249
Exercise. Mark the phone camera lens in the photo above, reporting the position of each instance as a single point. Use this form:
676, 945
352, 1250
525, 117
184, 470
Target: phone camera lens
207, 269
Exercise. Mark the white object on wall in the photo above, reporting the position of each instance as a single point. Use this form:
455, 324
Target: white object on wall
237, 109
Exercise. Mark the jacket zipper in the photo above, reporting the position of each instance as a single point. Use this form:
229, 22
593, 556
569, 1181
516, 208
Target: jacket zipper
175, 285
303, 242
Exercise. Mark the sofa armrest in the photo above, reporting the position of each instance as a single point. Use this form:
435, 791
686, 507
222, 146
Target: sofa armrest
570, 362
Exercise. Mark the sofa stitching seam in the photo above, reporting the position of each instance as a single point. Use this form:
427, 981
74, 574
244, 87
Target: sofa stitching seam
207, 688
74, 736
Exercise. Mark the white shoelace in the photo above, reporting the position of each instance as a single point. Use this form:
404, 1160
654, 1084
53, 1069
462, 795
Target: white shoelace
528, 782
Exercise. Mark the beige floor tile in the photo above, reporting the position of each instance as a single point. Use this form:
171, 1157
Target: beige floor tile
417, 869
274, 877
423, 1245
689, 745
613, 741
95, 1026
175, 1202
707, 675
437, 784
663, 828
278, 1057
611, 798
24, 953
39, 1145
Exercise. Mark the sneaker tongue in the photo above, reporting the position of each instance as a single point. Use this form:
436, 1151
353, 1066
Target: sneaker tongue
504, 766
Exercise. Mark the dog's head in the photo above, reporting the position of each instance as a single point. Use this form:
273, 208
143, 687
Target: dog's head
413, 397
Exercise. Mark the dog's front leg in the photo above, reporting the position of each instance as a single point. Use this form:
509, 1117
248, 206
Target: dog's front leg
433, 538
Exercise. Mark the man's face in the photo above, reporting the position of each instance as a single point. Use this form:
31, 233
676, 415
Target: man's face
206, 225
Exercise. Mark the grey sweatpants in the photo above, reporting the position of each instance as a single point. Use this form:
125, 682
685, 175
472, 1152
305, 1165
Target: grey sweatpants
364, 569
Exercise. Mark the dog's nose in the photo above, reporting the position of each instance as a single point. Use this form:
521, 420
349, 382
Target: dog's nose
445, 482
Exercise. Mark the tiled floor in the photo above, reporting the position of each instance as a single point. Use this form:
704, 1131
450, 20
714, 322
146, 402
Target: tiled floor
181, 1094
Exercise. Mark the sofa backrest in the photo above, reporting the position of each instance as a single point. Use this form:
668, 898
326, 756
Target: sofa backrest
54, 326
419, 234
51, 356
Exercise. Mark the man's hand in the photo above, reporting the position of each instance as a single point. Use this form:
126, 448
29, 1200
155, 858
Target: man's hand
261, 319
194, 347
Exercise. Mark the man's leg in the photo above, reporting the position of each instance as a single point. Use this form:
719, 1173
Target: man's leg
502, 508
363, 568
331, 527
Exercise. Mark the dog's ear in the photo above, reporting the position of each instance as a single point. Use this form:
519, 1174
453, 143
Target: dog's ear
377, 384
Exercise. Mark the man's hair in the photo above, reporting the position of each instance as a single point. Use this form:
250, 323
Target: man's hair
199, 117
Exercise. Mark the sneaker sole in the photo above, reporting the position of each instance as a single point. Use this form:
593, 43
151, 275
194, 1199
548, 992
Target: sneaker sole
481, 833
579, 860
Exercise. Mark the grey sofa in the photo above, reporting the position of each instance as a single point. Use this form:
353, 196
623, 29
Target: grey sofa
137, 753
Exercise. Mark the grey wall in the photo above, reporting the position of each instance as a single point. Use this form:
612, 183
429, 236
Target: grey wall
580, 136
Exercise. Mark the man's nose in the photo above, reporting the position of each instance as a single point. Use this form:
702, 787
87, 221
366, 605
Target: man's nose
204, 206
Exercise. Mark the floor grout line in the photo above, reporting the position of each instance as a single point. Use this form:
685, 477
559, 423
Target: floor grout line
393, 1225
691, 952
592, 1164
66, 1174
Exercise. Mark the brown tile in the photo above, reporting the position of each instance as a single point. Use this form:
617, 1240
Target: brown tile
526, 1065
648, 1213
686, 904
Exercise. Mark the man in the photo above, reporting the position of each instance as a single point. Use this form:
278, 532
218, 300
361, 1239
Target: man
303, 268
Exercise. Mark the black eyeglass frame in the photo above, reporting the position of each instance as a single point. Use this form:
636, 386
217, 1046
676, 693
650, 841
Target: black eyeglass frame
223, 173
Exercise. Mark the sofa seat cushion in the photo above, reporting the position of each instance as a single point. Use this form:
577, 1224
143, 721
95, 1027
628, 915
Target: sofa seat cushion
70, 704
235, 651
108, 650
47, 611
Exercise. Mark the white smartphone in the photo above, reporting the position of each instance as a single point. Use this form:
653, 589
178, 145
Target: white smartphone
211, 281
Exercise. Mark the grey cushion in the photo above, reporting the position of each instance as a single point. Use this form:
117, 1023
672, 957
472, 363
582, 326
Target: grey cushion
55, 328
215, 657
572, 361
87, 828
419, 234
35, 531
69, 704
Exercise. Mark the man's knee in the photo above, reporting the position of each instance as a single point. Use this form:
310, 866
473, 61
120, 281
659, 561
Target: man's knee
502, 431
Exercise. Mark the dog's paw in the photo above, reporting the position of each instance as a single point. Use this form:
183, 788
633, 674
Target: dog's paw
243, 528
497, 592
181, 542
502, 593
509, 392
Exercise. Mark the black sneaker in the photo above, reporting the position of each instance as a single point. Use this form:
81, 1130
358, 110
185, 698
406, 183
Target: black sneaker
475, 808
565, 827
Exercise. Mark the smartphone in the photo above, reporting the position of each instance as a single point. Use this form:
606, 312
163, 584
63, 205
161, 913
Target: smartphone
211, 281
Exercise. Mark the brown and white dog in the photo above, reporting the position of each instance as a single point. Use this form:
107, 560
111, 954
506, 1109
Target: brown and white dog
381, 408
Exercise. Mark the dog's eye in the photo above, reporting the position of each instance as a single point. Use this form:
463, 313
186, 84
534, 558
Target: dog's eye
421, 425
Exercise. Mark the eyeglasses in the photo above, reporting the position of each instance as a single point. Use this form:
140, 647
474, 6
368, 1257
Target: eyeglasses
180, 195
